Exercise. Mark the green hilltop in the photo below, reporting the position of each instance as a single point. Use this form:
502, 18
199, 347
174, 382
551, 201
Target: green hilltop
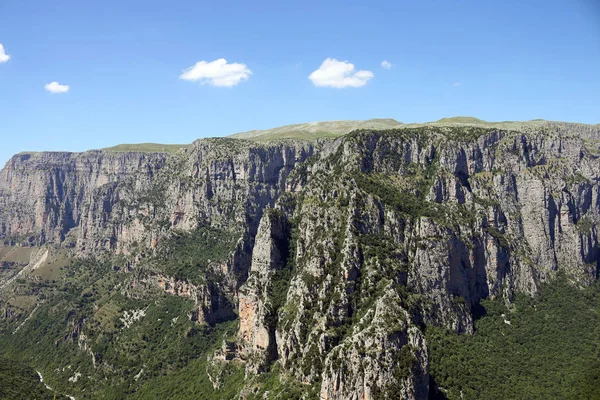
145, 148
315, 130
332, 129
461, 120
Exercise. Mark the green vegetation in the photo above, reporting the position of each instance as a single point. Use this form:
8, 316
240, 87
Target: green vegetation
505, 125
461, 120
54, 266
316, 130
146, 148
499, 236
300, 135
186, 256
16, 254
585, 224
550, 349
408, 199
18, 381
86, 326
192, 382
272, 385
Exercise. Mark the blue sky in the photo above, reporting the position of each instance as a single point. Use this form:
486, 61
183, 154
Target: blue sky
123, 61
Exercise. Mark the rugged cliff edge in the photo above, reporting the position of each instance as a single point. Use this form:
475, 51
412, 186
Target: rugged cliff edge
334, 255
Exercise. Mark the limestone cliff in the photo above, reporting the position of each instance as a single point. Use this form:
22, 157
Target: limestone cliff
102, 200
45, 196
343, 250
432, 221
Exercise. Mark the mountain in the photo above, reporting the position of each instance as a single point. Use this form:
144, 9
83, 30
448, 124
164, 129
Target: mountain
315, 130
146, 148
336, 268
330, 129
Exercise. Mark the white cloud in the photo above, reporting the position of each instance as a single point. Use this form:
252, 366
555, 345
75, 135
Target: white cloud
217, 73
457, 84
386, 64
339, 74
3, 56
55, 87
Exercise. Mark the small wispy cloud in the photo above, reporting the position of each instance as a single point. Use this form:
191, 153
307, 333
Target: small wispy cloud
386, 64
339, 74
457, 84
55, 87
3, 56
217, 73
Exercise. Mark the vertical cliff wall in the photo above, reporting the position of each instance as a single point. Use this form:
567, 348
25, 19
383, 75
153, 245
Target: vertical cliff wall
339, 253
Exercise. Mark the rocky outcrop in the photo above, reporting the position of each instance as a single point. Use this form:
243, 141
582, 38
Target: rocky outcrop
385, 357
211, 303
257, 305
441, 221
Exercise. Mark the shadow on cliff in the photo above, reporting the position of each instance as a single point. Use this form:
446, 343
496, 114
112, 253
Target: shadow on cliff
478, 311
434, 391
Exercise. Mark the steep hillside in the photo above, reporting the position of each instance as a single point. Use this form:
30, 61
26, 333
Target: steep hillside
18, 381
315, 269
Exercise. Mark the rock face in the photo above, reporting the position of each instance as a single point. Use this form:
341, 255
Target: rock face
385, 357
257, 305
211, 302
99, 201
347, 248
402, 229
44, 196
